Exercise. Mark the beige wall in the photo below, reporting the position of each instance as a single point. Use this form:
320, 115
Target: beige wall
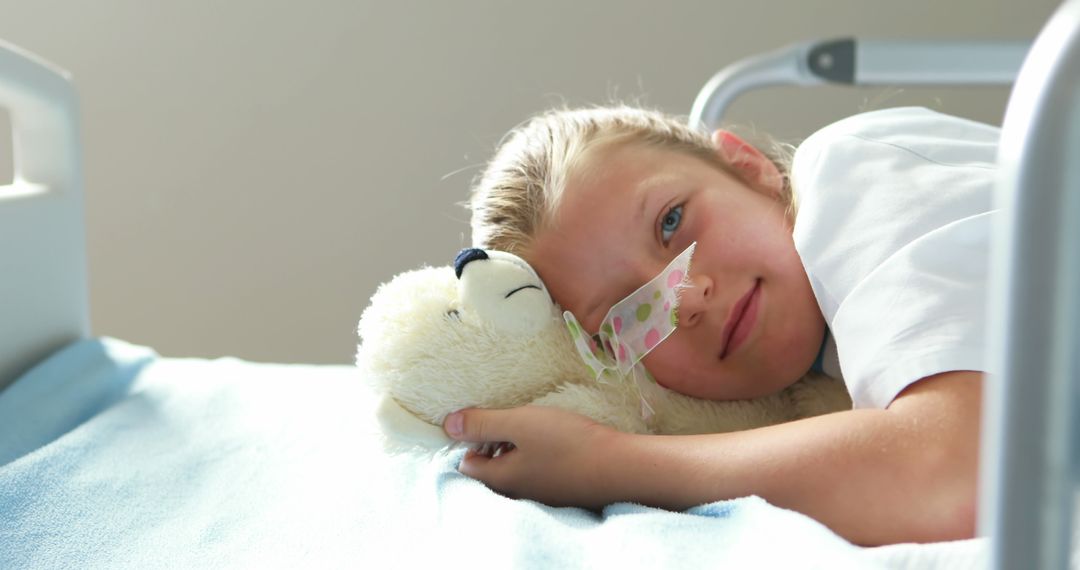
255, 169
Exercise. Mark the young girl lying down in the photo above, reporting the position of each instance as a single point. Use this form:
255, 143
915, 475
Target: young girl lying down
868, 255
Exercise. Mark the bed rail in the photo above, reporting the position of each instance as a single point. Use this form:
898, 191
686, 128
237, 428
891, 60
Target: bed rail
43, 281
1029, 452
860, 62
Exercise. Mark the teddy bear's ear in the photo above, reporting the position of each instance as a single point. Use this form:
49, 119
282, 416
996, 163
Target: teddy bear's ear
405, 431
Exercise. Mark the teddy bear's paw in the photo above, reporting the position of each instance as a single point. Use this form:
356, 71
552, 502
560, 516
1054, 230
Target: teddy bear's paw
405, 433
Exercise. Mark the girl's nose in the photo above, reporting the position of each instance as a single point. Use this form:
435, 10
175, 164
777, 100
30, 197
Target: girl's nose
694, 299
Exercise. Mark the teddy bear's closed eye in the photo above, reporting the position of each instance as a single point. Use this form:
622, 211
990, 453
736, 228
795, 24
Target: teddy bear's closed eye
522, 288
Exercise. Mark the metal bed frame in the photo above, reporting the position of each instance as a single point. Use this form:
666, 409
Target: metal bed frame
1029, 462
858, 62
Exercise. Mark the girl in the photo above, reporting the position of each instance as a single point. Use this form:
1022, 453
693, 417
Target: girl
882, 255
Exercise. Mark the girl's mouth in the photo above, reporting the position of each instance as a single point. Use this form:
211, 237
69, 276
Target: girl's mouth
741, 320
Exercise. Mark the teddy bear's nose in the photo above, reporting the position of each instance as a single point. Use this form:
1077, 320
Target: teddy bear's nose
467, 255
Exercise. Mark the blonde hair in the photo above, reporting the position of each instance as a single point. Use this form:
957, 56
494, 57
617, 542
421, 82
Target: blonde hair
520, 189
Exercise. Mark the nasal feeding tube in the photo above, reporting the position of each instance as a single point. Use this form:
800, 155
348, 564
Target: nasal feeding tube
634, 326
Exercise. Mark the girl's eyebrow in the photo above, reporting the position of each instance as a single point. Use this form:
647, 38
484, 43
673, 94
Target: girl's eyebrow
649, 187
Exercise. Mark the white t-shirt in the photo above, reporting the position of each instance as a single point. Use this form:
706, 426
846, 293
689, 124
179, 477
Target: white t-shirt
893, 229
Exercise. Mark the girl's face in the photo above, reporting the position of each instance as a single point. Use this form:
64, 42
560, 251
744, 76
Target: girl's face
748, 325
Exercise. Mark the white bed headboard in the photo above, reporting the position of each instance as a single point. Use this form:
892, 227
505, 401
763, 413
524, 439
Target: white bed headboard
43, 281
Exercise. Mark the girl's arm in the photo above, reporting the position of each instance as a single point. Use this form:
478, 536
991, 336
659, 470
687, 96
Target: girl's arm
903, 474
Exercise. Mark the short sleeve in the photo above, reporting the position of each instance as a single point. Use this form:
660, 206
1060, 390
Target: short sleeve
893, 228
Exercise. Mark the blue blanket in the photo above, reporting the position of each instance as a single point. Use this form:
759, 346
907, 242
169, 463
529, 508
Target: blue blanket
112, 457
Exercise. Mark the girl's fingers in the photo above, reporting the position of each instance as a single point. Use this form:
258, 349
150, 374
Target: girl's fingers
481, 425
493, 431
491, 468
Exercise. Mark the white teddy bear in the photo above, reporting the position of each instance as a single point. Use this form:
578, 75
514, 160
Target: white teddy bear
485, 333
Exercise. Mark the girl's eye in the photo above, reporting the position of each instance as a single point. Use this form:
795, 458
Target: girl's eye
670, 223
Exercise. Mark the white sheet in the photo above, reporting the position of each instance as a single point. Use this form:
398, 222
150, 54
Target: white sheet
198, 463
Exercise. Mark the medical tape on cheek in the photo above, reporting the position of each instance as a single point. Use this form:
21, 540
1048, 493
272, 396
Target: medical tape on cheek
634, 326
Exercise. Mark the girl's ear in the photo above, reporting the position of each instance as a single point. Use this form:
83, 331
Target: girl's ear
756, 169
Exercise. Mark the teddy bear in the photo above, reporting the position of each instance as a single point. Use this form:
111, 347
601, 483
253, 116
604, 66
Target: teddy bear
485, 332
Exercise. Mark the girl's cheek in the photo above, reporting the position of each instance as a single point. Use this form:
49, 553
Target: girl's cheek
686, 237
663, 362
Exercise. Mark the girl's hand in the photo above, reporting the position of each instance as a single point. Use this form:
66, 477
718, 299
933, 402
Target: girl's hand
535, 452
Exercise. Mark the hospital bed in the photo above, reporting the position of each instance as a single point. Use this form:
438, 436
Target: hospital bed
111, 456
